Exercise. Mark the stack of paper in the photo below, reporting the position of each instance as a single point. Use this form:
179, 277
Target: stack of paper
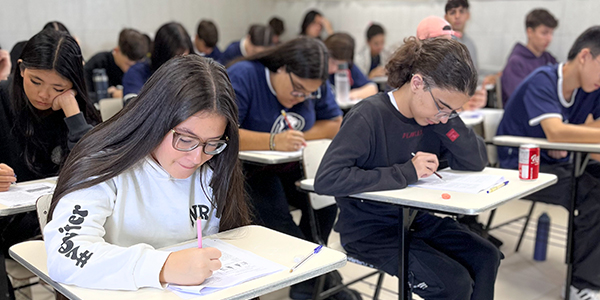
237, 266
27, 194
465, 183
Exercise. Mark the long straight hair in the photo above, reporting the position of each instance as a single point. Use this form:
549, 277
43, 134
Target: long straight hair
304, 56
171, 40
48, 50
308, 18
182, 87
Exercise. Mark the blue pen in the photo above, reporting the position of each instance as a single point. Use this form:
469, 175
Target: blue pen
306, 258
494, 188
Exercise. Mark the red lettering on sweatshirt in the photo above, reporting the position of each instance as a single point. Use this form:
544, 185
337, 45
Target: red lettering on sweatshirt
408, 135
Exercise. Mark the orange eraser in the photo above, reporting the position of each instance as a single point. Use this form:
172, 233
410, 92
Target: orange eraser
446, 196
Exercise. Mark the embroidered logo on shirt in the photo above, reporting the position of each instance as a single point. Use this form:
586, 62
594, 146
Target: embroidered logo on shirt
452, 134
67, 246
296, 121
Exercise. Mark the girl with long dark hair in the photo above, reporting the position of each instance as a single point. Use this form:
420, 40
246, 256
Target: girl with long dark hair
290, 77
44, 111
139, 181
170, 40
313, 23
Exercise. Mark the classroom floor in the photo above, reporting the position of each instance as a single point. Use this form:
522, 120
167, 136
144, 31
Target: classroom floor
520, 277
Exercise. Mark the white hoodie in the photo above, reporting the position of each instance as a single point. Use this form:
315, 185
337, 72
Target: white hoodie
105, 236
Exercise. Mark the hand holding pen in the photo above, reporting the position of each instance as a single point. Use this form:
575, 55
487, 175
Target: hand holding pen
7, 177
425, 164
289, 140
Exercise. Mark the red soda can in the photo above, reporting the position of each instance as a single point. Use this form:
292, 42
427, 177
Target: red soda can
529, 161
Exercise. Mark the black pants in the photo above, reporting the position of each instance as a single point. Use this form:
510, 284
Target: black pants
14, 229
586, 232
445, 260
272, 189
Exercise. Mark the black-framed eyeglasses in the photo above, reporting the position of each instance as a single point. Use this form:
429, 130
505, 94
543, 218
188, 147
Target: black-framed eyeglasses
188, 143
297, 94
442, 114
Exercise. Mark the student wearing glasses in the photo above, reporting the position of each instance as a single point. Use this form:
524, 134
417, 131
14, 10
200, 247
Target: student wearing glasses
290, 77
373, 152
139, 182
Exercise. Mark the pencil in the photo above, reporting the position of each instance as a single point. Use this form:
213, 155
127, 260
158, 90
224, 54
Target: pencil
199, 227
434, 172
285, 118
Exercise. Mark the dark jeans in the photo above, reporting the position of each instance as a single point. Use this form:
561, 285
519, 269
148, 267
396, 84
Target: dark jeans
272, 189
586, 232
445, 260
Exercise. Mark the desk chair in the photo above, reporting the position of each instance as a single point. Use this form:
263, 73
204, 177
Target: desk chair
110, 107
311, 159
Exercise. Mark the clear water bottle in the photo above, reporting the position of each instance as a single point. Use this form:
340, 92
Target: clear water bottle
342, 83
100, 80
541, 238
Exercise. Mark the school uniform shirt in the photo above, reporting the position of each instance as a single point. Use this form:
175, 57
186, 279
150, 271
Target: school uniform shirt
366, 63
57, 134
233, 51
259, 109
215, 54
357, 78
106, 236
521, 62
372, 152
106, 61
540, 97
135, 78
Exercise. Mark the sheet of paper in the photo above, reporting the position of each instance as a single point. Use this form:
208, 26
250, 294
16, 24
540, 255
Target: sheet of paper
238, 266
465, 183
278, 153
21, 195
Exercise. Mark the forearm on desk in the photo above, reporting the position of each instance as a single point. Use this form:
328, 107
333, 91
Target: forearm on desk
254, 140
558, 132
324, 129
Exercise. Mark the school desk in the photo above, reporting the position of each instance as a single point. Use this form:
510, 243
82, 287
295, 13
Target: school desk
7, 211
266, 158
415, 198
270, 244
580, 159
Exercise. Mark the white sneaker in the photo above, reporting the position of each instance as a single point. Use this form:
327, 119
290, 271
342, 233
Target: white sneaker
583, 294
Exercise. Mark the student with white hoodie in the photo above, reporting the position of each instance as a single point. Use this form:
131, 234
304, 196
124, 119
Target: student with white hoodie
139, 181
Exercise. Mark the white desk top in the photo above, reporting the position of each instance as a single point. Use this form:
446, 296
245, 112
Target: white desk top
380, 79
460, 203
263, 157
264, 242
516, 141
7, 211
349, 104
471, 118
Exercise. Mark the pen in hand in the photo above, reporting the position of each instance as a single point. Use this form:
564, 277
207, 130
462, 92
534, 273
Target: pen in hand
434, 172
199, 228
306, 258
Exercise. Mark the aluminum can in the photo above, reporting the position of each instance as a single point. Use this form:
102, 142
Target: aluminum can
529, 161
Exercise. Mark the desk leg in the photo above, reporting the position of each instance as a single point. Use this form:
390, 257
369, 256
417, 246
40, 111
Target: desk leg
404, 292
577, 171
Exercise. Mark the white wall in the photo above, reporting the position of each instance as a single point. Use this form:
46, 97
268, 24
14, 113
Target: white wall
494, 26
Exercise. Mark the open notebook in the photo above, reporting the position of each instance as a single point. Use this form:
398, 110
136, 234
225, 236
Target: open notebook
22, 195
465, 183
238, 266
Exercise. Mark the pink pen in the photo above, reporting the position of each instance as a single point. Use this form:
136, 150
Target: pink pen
199, 227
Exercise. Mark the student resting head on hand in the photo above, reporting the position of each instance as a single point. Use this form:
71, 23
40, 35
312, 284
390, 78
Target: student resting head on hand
139, 181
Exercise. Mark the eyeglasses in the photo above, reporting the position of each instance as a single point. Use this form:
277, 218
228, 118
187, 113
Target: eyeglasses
442, 114
187, 143
297, 94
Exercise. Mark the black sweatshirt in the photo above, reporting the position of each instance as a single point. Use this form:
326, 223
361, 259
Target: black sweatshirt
57, 134
372, 152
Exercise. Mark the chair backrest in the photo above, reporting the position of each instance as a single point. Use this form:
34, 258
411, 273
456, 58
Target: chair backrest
42, 206
491, 120
110, 107
311, 159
